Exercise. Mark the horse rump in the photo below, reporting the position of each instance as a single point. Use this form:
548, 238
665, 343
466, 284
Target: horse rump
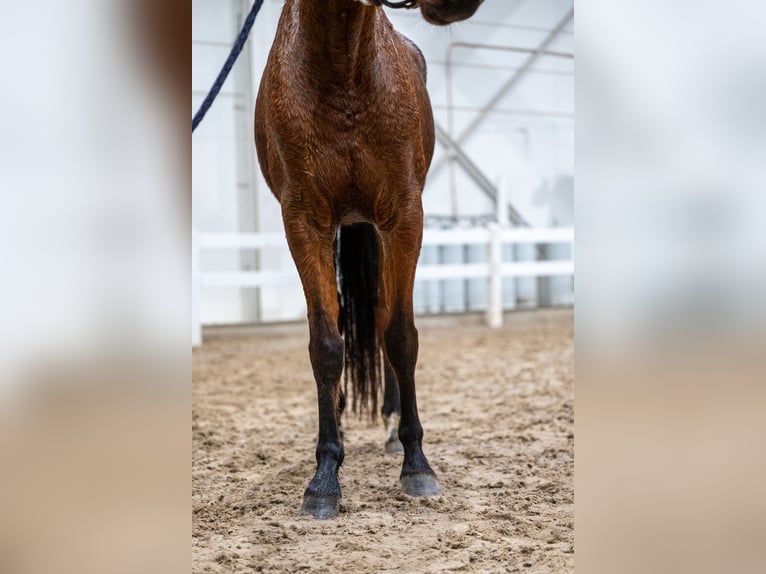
357, 268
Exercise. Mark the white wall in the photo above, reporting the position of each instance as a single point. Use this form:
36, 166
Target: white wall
530, 154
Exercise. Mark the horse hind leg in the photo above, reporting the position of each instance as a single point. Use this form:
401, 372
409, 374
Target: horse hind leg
401, 341
314, 259
417, 478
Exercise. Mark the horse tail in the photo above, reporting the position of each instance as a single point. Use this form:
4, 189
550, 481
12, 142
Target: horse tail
358, 277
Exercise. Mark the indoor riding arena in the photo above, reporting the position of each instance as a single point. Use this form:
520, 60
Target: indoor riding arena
492, 301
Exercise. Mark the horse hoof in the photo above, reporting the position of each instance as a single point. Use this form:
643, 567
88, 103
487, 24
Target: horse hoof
320, 507
394, 447
420, 485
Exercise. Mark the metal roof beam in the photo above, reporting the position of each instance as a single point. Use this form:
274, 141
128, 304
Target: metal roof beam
541, 50
475, 173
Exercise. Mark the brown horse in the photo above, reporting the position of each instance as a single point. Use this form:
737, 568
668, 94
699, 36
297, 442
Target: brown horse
345, 135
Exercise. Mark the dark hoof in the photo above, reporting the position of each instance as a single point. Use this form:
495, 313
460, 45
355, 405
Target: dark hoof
320, 507
420, 485
394, 447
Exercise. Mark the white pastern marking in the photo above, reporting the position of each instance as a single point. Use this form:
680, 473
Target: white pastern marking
392, 426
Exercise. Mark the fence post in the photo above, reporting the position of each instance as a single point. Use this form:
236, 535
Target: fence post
495, 283
196, 324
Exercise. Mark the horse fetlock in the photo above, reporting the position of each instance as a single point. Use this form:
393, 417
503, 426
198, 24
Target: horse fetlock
411, 435
415, 461
329, 455
415, 465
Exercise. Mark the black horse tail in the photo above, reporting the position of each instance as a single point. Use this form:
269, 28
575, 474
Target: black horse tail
358, 277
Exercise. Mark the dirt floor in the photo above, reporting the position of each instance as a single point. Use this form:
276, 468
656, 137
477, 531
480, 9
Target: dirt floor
497, 409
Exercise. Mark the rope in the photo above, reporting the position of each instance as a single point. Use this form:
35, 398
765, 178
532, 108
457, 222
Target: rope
227, 66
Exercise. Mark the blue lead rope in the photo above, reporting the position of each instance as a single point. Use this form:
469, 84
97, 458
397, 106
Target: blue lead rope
223, 74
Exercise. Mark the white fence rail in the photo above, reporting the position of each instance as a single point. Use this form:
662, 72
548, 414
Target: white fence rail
493, 270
